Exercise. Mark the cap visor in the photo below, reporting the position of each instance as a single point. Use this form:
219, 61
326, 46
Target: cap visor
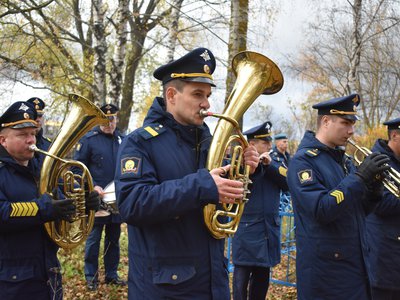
350, 117
23, 125
199, 79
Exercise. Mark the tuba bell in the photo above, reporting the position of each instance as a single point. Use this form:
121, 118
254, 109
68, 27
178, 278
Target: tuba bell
256, 75
56, 172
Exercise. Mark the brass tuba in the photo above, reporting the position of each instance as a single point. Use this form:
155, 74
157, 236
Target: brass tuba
56, 171
256, 75
390, 178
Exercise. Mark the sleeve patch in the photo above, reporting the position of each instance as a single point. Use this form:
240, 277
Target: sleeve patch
282, 171
338, 195
24, 209
305, 176
131, 165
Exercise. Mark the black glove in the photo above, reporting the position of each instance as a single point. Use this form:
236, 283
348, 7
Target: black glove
63, 209
373, 165
93, 201
375, 191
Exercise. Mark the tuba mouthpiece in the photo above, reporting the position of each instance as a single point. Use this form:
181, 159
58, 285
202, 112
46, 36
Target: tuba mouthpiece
32, 148
205, 113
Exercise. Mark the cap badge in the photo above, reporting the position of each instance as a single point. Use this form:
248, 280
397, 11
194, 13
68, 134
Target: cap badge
23, 107
108, 106
26, 115
206, 69
267, 126
354, 108
37, 107
36, 101
205, 55
108, 112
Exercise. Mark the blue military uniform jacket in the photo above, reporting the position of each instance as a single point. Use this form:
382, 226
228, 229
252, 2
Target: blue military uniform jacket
162, 186
330, 207
383, 229
281, 157
29, 268
98, 151
257, 240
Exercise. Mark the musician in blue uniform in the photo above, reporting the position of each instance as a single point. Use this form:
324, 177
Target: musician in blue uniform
383, 226
98, 151
279, 151
330, 199
29, 268
42, 142
256, 244
162, 187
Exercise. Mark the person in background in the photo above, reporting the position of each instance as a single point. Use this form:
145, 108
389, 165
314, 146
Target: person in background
280, 149
29, 268
256, 244
42, 142
162, 186
98, 151
331, 199
383, 226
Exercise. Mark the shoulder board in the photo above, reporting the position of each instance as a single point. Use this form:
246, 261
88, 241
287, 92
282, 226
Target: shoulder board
91, 134
151, 130
312, 152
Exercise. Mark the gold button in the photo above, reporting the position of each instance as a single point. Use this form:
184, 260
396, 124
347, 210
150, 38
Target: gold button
336, 255
398, 238
174, 277
14, 277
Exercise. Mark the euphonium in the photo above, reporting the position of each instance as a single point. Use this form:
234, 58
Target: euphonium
390, 178
256, 75
56, 172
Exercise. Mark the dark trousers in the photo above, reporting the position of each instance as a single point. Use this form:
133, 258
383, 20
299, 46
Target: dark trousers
256, 279
111, 251
382, 294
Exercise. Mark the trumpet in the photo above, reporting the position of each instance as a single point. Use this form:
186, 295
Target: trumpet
389, 178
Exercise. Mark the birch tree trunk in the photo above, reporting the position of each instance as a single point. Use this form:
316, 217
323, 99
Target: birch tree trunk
356, 45
100, 52
117, 62
173, 29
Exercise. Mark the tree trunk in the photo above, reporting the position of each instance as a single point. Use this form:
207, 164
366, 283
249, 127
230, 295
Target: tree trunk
117, 62
237, 39
173, 29
100, 53
132, 62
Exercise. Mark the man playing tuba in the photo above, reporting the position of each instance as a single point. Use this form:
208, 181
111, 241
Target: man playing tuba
162, 186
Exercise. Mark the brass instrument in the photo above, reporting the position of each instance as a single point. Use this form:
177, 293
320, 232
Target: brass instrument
56, 172
256, 75
389, 178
